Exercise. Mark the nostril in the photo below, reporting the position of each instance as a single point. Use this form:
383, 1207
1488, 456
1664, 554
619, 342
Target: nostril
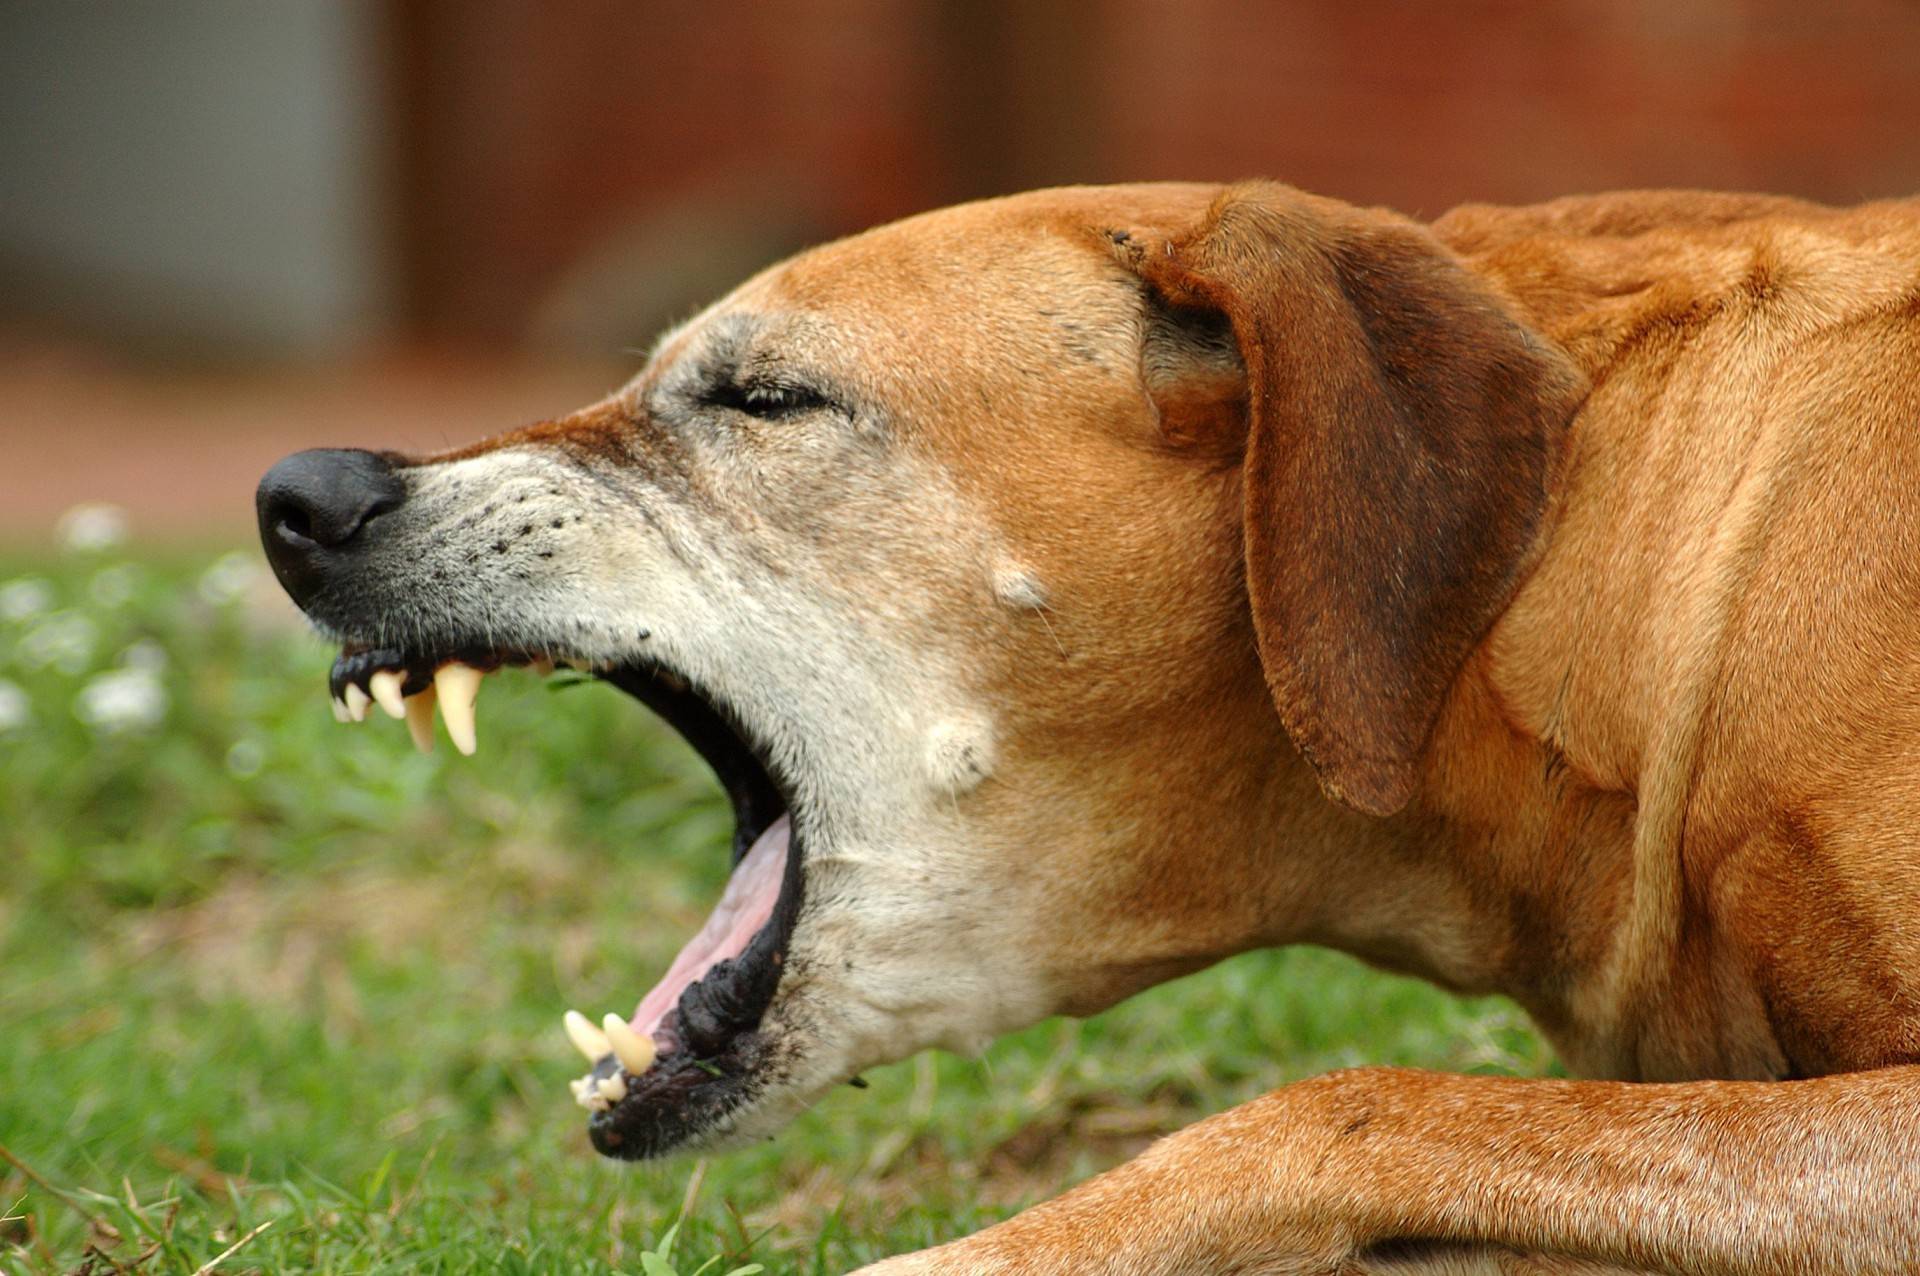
295, 525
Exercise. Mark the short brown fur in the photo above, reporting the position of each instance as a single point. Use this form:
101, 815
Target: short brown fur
1666, 796
1578, 546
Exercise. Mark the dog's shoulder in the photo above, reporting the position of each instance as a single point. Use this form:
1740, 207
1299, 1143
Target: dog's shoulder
1475, 228
1602, 273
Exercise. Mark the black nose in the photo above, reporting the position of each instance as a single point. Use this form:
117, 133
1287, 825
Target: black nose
314, 504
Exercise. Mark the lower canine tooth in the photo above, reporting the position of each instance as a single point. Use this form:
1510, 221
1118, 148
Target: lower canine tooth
586, 1038
357, 702
385, 686
634, 1051
420, 719
613, 1088
457, 685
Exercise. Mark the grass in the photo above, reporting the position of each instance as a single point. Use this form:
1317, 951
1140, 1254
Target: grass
281, 995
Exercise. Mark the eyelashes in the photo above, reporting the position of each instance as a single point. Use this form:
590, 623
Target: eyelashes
768, 401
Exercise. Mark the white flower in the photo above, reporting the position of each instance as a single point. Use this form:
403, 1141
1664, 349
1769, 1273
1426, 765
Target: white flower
144, 654
65, 640
113, 587
230, 576
92, 527
24, 598
15, 709
122, 700
245, 759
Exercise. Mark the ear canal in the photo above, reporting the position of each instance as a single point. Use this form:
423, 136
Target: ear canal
1405, 435
1191, 369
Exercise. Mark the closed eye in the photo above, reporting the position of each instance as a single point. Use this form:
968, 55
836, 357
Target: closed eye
767, 400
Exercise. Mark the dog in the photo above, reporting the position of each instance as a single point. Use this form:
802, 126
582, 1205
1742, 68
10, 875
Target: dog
1073, 589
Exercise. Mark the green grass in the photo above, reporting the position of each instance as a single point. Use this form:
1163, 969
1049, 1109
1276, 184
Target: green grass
274, 982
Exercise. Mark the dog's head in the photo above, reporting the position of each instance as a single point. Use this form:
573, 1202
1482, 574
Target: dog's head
977, 553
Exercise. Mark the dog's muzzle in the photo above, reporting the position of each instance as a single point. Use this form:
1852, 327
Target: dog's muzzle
697, 1047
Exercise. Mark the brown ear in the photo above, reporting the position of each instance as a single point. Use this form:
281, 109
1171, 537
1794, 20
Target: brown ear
1405, 431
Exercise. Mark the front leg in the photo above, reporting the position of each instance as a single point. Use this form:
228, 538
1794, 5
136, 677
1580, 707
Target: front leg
1402, 1171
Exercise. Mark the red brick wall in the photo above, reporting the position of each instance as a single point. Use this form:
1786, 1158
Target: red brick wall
1427, 105
528, 133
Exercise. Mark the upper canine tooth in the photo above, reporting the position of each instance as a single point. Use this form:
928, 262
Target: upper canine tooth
385, 686
457, 685
586, 1038
357, 702
420, 719
634, 1051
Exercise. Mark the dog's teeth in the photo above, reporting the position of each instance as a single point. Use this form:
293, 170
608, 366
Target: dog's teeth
586, 1093
357, 702
634, 1051
385, 686
420, 719
340, 713
613, 1088
586, 1038
458, 685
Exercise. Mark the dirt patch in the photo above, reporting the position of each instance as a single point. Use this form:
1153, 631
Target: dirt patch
1089, 1133
269, 945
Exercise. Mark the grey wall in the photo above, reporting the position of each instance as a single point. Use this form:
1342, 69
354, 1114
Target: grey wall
197, 174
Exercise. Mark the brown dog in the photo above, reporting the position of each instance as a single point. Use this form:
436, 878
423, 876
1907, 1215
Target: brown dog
1074, 589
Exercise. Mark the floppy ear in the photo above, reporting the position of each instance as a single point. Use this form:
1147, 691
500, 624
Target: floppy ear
1404, 433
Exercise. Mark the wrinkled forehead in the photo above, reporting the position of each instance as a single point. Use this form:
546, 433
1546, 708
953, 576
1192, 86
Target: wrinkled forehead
997, 299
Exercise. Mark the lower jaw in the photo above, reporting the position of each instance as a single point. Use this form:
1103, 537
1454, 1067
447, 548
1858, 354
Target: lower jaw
680, 1105
707, 1054
707, 1019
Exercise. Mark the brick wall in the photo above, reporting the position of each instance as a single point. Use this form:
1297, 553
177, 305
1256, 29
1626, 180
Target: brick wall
534, 141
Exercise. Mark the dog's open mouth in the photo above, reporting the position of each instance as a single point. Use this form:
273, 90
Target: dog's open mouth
693, 1050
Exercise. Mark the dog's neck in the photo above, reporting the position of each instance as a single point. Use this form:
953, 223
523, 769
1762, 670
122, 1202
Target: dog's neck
1501, 877
1508, 873
1542, 855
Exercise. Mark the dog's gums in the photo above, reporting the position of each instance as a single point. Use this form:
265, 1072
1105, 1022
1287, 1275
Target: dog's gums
690, 1049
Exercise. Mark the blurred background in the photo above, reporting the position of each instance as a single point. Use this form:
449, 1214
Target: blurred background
233, 227
257, 969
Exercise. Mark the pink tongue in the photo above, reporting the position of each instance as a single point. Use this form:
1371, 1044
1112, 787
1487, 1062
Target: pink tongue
751, 893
